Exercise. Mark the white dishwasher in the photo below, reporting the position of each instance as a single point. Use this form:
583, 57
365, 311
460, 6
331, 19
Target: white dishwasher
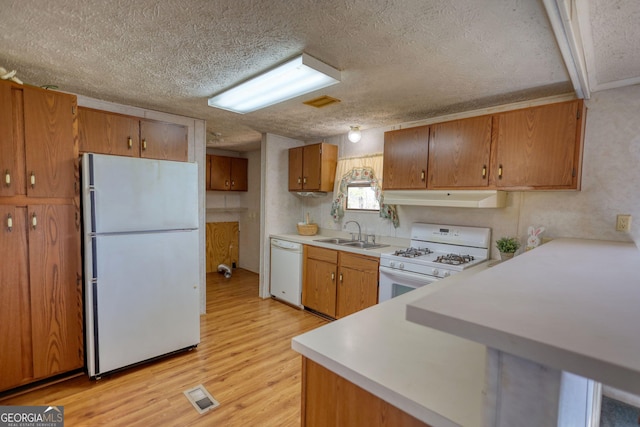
286, 271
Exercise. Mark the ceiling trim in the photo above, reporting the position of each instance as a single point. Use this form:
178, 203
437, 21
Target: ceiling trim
562, 14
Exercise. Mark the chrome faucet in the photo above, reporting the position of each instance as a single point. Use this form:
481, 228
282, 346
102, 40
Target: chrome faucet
359, 230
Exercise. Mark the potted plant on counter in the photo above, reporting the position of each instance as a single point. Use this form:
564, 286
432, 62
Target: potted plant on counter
507, 247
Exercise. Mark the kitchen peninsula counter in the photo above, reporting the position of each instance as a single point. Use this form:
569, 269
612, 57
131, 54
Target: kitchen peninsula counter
570, 304
435, 377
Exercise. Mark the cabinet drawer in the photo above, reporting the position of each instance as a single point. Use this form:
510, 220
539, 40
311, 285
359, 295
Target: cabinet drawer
322, 254
358, 262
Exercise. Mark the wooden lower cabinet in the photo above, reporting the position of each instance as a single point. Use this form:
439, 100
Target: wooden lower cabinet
41, 292
330, 400
337, 283
319, 285
357, 283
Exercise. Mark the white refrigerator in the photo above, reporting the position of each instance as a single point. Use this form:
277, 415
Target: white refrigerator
141, 270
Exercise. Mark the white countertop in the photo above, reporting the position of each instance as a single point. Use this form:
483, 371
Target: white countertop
570, 304
436, 377
311, 240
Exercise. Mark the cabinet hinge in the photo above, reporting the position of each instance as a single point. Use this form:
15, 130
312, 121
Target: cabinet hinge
573, 173
578, 114
73, 110
320, 150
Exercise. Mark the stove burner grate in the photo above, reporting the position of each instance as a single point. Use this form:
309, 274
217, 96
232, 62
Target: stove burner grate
454, 259
413, 252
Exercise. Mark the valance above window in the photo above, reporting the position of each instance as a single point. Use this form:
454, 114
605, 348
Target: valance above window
360, 169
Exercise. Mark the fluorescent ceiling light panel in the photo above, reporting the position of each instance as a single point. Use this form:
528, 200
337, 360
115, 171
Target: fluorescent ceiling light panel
293, 78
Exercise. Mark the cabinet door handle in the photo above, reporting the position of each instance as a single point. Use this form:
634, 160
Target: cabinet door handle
340, 277
7, 178
129, 143
304, 180
144, 144
9, 223
299, 180
333, 276
484, 171
233, 183
226, 183
422, 175
500, 172
33, 180
34, 221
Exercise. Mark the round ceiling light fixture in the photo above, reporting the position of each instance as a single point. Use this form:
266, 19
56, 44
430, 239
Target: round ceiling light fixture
354, 134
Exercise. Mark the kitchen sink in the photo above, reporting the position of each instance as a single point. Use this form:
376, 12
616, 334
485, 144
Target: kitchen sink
364, 245
351, 243
336, 241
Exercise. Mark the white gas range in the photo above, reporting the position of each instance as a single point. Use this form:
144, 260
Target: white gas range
436, 251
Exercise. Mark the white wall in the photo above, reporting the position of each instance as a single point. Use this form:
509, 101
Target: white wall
281, 210
610, 182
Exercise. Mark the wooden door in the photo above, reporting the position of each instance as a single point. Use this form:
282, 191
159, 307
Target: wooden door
222, 240
163, 141
320, 280
56, 291
7, 143
108, 133
15, 320
295, 168
459, 153
311, 167
50, 142
357, 284
239, 169
538, 148
220, 173
405, 159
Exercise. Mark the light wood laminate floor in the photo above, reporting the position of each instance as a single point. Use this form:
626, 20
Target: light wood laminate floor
244, 360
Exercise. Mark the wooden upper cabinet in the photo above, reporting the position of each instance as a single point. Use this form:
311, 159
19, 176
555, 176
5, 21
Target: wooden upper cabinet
108, 133
459, 153
163, 141
227, 173
539, 147
357, 283
15, 317
406, 158
105, 132
239, 171
220, 173
313, 167
50, 142
295, 168
56, 291
7, 143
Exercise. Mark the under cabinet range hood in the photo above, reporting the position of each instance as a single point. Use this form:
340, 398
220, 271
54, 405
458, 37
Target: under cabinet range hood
311, 193
447, 198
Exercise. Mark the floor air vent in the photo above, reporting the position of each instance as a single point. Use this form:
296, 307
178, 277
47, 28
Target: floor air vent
201, 399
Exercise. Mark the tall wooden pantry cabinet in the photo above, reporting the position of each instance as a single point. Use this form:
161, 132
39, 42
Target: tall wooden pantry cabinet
40, 266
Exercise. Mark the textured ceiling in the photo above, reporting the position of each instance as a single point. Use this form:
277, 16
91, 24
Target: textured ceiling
401, 60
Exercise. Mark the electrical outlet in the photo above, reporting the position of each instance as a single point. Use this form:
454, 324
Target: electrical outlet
623, 223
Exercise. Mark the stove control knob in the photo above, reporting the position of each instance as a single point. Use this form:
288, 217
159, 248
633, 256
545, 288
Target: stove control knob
401, 266
435, 272
392, 263
445, 274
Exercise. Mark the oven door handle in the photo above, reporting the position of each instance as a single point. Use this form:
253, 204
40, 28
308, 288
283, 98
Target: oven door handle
422, 278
